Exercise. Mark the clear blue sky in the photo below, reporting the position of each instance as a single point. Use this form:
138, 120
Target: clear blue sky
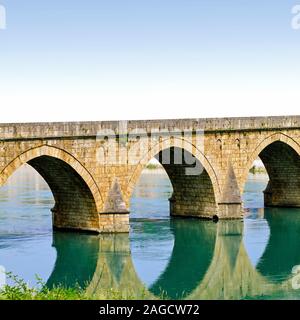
158, 53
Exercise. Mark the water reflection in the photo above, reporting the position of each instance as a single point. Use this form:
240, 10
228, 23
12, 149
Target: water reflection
208, 261
283, 250
104, 262
191, 256
256, 234
77, 256
188, 259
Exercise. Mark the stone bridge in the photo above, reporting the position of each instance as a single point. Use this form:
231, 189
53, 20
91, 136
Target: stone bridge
93, 167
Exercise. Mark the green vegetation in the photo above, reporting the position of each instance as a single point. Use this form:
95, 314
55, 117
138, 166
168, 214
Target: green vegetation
21, 291
255, 170
152, 166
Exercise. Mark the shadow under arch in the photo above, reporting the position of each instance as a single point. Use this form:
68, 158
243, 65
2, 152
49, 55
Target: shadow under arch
175, 143
76, 195
194, 192
276, 137
280, 155
190, 259
282, 252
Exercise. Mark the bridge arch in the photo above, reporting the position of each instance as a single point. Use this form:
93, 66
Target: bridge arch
77, 197
208, 175
182, 183
280, 155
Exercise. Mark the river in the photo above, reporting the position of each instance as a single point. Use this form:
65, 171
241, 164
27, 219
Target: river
256, 258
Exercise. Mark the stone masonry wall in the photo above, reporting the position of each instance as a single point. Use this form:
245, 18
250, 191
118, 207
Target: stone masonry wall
227, 153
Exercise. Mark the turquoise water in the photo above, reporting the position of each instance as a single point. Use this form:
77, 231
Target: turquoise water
252, 259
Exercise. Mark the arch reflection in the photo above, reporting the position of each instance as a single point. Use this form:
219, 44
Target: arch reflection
105, 263
77, 256
283, 249
191, 256
208, 261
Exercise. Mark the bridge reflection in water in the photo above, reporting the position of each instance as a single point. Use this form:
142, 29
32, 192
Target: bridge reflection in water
283, 250
208, 261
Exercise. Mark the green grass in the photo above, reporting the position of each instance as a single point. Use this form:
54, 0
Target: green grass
21, 291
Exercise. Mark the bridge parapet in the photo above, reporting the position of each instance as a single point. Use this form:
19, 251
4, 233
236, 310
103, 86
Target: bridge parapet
90, 129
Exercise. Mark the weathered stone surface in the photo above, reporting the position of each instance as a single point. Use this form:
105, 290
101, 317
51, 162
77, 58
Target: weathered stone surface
115, 202
93, 167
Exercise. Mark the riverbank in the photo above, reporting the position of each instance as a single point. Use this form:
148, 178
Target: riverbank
61, 293
258, 170
158, 169
23, 292
20, 290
